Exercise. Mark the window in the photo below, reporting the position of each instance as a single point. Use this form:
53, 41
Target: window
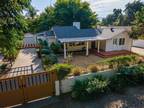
72, 44
121, 41
114, 41
81, 43
76, 44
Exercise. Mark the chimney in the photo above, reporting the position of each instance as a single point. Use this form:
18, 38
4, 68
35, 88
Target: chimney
76, 24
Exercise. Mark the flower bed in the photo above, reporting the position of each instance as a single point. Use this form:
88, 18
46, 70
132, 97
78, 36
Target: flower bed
93, 87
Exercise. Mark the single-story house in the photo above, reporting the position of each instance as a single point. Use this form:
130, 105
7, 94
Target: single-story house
74, 38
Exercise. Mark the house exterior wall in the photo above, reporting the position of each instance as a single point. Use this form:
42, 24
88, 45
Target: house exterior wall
77, 47
51, 39
127, 46
102, 45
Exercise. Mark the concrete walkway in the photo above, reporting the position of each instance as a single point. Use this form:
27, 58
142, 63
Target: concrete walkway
27, 57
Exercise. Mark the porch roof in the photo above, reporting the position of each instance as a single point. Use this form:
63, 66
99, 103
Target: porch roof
77, 39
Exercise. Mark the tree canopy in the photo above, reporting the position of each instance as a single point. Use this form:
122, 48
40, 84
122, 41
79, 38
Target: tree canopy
120, 19
12, 24
114, 19
64, 12
138, 25
131, 9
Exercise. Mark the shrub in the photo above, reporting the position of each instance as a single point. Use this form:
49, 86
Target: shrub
119, 61
55, 47
62, 70
79, 90
118, 84
3, 67
44, 43
89, 88
93, 68
76, 71
134, 75
46, 51
50, 59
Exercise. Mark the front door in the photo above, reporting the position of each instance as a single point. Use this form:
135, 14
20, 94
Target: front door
93, 44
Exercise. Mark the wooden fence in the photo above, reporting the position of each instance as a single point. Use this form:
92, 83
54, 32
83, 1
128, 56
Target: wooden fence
21, 89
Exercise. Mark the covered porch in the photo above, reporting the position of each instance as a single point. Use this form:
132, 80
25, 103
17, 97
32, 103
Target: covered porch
83, 46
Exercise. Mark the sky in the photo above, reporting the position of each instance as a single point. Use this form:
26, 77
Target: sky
101, 7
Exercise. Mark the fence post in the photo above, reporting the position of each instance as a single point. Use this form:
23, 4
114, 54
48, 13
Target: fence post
57, 88
32, 68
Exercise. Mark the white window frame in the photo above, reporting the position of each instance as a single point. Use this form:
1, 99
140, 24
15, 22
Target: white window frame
122, 41
115, 41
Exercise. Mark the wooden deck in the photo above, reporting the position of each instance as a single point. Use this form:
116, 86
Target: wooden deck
112, 53
30, 46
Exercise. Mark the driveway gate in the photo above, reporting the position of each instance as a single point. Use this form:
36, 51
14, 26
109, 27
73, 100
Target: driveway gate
21, 89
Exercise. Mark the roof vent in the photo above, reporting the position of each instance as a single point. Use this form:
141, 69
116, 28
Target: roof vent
112, 29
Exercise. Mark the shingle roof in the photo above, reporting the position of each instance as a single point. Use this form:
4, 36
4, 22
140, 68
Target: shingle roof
45, 33
73, 32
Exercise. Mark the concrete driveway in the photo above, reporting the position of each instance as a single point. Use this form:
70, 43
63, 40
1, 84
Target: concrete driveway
27, 57
138, 43
138, 50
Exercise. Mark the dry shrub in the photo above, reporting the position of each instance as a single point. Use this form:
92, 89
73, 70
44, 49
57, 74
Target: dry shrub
76, 71
93, 68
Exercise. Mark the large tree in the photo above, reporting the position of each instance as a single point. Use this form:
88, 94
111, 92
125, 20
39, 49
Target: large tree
64, 13
12, 24
118, 18
138, 25
131, 9
45, 21
68, 11
114, 19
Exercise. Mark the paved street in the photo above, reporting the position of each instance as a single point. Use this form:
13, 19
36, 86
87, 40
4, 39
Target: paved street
132, 98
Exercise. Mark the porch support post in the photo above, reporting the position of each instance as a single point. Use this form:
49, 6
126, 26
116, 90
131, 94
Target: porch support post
87, 48
98, 45
64, 50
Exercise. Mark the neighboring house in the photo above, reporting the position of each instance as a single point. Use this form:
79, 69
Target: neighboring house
101, 39
46, 35
29, 39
